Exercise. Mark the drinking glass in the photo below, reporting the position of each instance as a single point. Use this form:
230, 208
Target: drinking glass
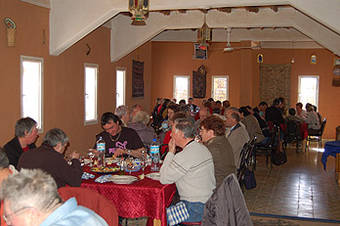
91, 154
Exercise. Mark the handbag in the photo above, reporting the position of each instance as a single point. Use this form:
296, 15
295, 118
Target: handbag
249, 179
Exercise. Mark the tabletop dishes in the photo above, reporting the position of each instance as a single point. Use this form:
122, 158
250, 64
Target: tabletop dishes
123, 179
105, 169
154, 176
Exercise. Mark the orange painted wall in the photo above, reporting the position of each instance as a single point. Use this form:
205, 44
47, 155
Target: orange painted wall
63, 105
169, 59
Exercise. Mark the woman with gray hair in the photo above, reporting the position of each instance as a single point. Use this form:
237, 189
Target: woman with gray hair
123, 113
5, 168
50, 158
31, 198
139, 123
26, 134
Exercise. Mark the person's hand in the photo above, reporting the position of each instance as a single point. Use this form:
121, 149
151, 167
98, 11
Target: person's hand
172, 146
75, 155
119, 152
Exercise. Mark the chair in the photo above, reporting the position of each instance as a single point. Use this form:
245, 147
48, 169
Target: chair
266, 149
292, 134
92, 200
316, 136
227, 206
247, 160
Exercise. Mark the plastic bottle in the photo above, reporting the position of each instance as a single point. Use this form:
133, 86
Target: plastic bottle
101, 152
154, 154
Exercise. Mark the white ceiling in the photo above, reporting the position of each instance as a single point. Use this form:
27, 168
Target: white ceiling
296, 23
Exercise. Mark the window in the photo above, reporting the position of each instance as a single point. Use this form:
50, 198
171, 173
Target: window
31, 88
120, 87
181, 87
308, 90
220, 88
91, 72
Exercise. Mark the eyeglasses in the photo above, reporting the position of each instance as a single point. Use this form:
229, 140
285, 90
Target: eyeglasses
8, 218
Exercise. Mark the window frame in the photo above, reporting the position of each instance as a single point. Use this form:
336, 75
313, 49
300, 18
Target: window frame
212, 85
124, 85
174, 85
41, 110
317, 87
92, 121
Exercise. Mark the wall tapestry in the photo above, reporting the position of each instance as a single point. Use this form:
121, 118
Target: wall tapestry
199, 82
137, 79
275, 82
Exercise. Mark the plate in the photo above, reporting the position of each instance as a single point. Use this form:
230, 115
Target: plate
105, 169
154, 176
123, 179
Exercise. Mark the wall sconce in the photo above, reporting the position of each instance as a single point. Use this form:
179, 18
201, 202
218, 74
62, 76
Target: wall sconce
11, 30
139, 9
336, 68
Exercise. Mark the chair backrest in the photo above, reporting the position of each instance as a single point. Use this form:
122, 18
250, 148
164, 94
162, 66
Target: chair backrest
246, 156
227, 205
92, 200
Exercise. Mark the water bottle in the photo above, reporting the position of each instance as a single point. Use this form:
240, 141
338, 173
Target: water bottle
101, 152
154, 154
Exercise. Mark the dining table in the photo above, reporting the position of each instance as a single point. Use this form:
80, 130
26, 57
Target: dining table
144, 197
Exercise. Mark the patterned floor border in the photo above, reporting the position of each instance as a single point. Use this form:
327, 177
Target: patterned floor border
294, 218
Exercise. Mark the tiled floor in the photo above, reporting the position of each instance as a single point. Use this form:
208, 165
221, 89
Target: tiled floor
298, 188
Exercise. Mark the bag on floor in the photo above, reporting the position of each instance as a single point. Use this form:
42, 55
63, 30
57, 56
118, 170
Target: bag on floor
249, 180
278, 157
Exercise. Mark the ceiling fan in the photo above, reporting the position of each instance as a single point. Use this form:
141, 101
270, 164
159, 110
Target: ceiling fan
229, 48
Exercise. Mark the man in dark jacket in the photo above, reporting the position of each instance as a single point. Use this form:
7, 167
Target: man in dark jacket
26, 134
50, 158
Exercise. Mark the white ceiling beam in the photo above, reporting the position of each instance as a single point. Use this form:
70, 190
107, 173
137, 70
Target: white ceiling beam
71, 20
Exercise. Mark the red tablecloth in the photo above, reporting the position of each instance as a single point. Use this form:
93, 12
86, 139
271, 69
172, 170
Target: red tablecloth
143, 198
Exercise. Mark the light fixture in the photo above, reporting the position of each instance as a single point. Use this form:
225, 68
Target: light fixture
336, 70
139, 9
204, 33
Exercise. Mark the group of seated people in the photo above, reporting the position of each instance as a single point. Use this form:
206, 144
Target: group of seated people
201, 146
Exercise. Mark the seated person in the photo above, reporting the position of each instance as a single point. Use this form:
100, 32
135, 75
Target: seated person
31, 198
312, 120
292, 116
191, 169
123, 113
26, 134
50, 158
237, 135
139, 124
5, 168
300, 113
167, 136
252, 125
119, 139
213, 136
135, 109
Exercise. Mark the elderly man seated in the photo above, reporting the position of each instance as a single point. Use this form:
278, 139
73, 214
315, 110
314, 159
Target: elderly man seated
191, 169
212, 132
118, 139
31, 198
50, 158
237, 135
123, 113
26, 134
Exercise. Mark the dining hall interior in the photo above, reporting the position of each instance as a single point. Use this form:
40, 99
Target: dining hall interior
67, 35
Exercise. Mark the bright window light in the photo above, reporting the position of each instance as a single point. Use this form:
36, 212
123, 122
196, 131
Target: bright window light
220, 88
308, 90
31, 89
181, 87
120, 87
91, 72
